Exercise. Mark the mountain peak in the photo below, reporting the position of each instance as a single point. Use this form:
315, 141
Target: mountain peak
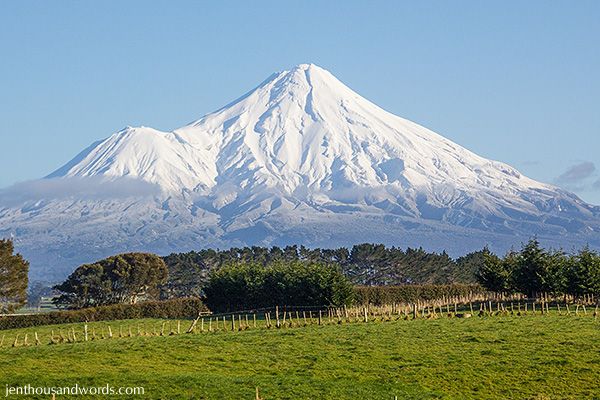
311, 69
300, 159
307, 66
303, 133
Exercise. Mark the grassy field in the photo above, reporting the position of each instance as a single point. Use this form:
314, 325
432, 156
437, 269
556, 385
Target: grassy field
502, 357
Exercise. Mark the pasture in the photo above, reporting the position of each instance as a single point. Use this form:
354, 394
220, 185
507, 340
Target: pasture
547, 356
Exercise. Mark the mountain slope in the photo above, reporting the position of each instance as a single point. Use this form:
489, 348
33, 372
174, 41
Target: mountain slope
301, 158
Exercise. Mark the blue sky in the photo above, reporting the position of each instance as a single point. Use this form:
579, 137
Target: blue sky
513, 81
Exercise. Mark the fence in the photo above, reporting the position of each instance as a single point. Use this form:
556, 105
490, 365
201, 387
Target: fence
299, 316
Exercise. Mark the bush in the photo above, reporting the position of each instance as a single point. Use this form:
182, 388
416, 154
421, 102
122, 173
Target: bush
246, 286
379, 295
184, 308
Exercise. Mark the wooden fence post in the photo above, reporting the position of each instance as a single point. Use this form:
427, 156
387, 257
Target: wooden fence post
193, 325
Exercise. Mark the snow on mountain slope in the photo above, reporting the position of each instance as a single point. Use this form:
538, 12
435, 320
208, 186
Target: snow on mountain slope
306, 134
301, 158
163, 158
306, 137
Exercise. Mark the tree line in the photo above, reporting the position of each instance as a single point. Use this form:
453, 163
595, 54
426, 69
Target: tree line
292, 275
533, 270
364, 264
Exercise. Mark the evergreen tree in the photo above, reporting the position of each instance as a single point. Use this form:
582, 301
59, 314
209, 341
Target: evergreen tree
538, 270
468, 265
13, 278
583, 273
188, 273
496, 274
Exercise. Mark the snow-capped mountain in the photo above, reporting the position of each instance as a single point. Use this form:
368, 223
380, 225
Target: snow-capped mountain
301, 158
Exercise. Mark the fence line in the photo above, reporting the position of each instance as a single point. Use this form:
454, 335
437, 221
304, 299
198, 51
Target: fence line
299, 316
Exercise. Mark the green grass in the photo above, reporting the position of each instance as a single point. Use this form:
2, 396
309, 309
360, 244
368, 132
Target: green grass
502, 357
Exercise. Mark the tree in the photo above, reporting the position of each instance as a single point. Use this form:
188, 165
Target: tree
495, 274
187, 275
14, 271
538, 270
124, 278
583, 273
468, 265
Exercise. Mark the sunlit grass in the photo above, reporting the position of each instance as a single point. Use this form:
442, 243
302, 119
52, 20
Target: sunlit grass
491, 357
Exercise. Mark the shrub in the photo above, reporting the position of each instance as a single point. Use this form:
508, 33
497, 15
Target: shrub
244, 286
183, 308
